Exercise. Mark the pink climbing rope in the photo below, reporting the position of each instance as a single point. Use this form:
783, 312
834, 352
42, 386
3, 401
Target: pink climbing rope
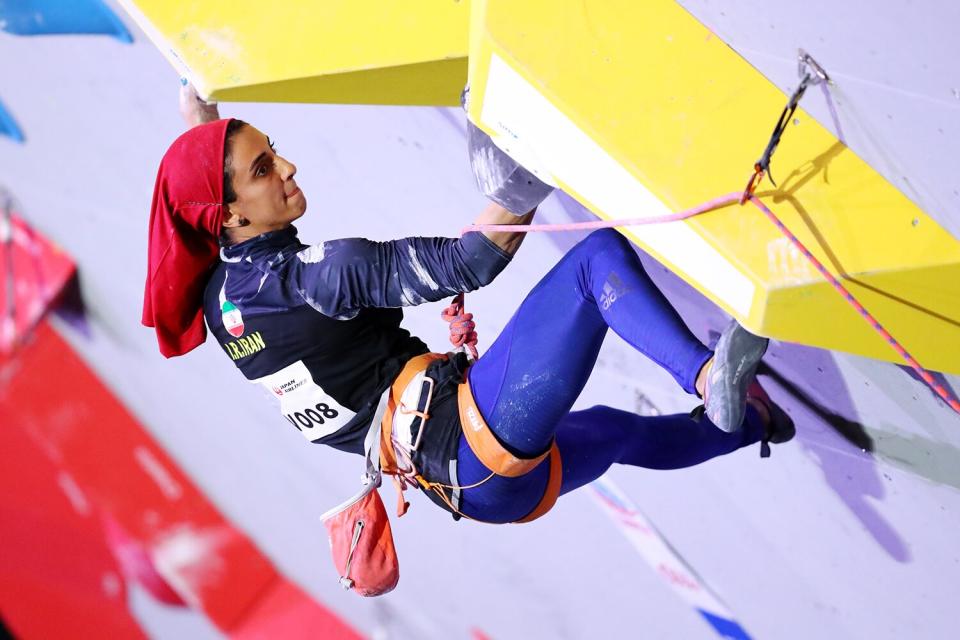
849, 297
593, 225
463, 330
710, 205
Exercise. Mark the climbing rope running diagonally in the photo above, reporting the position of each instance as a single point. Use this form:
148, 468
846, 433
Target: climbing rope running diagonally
717, 203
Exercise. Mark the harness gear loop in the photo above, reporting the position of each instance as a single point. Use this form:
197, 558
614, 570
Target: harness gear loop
420, 414
395, 460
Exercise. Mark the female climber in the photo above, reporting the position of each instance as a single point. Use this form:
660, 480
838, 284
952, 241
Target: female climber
318, 326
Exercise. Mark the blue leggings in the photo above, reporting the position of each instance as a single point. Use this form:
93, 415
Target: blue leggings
526, 383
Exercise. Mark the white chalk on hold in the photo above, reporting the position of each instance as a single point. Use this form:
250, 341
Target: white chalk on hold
500, 177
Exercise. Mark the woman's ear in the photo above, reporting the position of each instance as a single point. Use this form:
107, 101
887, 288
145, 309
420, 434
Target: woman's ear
232, 219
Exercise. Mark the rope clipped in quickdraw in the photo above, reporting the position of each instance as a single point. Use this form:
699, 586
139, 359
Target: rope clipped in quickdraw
811, 74
717, 203
463, 330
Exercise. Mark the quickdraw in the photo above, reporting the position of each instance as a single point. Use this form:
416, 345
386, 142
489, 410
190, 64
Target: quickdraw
811, 74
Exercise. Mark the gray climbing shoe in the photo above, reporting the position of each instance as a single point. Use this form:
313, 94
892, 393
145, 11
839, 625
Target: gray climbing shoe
734, 366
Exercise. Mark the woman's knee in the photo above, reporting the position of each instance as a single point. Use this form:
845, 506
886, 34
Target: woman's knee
607, 241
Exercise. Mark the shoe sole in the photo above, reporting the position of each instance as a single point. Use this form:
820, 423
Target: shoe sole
734, 366
782, 428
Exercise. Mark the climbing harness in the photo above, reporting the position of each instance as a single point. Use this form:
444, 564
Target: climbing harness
359, 531
406, 417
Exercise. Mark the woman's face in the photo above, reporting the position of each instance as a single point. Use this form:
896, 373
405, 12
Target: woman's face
268, 198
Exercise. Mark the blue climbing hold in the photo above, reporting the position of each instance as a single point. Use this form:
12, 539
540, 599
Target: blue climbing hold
8, 127
41, 17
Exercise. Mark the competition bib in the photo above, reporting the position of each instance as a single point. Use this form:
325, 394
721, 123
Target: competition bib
304, 403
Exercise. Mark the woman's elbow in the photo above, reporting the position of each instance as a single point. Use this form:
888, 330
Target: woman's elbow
485, 276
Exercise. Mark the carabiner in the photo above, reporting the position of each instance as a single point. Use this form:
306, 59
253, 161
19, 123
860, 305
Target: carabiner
752, 183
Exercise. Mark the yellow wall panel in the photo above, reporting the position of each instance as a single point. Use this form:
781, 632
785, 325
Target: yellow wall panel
348, 51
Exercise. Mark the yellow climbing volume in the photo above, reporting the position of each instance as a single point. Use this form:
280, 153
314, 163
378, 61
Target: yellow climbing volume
335, 51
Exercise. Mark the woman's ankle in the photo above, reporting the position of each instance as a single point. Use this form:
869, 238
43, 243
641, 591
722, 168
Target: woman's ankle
701, 384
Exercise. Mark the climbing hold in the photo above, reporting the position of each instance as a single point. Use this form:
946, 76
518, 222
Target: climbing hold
42, 17
8, 126
500, 177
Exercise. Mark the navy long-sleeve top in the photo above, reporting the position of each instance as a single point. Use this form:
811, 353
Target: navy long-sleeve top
319, 326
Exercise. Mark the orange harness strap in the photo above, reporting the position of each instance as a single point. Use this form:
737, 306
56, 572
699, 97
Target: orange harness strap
500, 461
479, 436
485, 445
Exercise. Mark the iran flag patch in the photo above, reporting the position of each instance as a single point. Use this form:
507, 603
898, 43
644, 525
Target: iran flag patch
232, 319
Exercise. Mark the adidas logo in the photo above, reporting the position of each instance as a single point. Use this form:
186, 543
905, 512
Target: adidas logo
608, 297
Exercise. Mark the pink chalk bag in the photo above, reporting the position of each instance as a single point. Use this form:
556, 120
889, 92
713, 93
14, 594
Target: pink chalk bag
361, 539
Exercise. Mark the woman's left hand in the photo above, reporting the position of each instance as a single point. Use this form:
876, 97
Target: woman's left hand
193, 108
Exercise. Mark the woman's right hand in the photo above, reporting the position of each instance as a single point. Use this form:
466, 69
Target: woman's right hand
193, 108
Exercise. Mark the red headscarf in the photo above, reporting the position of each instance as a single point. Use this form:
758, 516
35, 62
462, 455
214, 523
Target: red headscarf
185, 220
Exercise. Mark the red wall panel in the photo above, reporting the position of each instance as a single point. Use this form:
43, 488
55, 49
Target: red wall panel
58, 418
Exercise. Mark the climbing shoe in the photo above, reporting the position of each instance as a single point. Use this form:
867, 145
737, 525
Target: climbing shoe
734, 367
